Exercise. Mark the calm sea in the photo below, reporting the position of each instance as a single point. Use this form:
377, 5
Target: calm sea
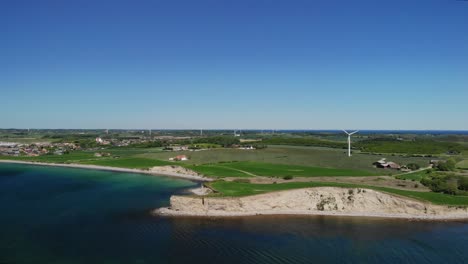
61, 215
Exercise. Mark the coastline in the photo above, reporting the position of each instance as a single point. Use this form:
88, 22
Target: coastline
153, 171
167, 212
324, 201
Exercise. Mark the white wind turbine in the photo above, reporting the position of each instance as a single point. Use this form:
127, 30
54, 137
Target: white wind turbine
349, 140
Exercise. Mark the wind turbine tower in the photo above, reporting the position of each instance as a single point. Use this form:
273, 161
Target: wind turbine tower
349, 140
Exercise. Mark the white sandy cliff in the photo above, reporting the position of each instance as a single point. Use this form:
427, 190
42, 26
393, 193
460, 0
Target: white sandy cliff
313, 201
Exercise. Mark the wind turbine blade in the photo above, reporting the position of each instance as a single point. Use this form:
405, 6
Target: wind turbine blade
354, 132
345, 131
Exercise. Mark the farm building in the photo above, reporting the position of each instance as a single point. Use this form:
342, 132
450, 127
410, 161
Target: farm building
434, 163
386, 164
179, 158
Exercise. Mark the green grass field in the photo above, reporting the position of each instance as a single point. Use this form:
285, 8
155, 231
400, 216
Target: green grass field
243, 189
463, 164
217, 171
132, 163
420, 146
73, 157
290, 155
273, 161
246, 169
127, 158
417, 176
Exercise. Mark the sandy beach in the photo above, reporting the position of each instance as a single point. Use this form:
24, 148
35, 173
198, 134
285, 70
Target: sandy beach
157, 171
169, 212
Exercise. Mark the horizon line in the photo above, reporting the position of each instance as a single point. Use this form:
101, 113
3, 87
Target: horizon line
237, 129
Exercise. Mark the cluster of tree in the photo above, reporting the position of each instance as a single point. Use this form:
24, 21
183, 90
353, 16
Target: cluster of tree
413, 166
448, 165
85, 143
225, 141
151, 144
259, 146
446, 183
303, 141
69, 137
386, 145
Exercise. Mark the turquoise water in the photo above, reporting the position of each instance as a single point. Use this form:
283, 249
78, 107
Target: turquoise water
62, 215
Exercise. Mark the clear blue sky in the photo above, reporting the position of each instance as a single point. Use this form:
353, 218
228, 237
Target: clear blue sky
234, 64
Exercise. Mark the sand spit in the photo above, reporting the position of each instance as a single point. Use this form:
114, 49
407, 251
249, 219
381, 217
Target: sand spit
314, 201
171, 171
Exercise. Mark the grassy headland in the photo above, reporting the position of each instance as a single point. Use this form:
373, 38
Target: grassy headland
242, 189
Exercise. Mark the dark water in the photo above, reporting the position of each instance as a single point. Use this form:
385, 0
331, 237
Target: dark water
58, 215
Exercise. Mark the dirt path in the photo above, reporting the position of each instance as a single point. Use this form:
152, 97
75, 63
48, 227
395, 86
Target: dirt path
409, 172
245, 172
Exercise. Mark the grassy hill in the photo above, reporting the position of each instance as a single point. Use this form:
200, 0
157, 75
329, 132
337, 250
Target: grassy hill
243, 189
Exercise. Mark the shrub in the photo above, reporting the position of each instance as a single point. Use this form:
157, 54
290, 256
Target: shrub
288, 177
463, 183
413, 166
446, 183
449, 165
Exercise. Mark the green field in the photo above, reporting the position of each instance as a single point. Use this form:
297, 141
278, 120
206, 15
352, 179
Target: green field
132, 163
126, 158
463, 164
276, 161
421, 146
246, 169
243, 189
290, 155
417, 176
73, 157
217, 171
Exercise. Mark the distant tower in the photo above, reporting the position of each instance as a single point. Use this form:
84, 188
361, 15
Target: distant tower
150, 132
107, 131
349, 140
201, 132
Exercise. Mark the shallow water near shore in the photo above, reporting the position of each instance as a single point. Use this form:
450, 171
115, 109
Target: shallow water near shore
63, 215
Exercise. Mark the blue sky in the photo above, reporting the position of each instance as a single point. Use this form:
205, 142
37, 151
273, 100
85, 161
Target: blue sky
234, 64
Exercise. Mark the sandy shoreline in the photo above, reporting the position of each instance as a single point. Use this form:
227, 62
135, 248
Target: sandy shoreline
166, 211
153, 171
